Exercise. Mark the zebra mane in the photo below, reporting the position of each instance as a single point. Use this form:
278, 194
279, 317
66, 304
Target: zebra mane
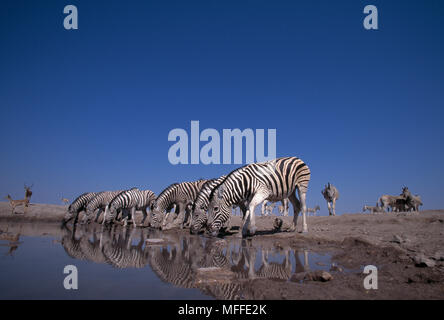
167, 189
225, 179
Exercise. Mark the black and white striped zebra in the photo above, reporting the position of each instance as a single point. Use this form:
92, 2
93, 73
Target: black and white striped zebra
164, 203
78, 205
271, 180
133, 199
100, 201
200, 206
182, 195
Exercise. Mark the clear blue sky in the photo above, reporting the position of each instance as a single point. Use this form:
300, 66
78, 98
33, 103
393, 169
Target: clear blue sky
91, 109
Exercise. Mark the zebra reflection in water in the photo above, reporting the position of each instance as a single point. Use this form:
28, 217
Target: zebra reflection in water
113, 246
220, 268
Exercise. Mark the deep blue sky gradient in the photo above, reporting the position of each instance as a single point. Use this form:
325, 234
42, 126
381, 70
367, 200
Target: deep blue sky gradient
91, 109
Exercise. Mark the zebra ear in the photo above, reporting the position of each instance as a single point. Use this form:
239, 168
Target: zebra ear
220, 192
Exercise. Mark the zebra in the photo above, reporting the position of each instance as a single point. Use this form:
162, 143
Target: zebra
164, 203
268, 208
412, 201
200, 206
100, 201
313, 210
133, 198
78, 205
271, 180
183, 195
331, 194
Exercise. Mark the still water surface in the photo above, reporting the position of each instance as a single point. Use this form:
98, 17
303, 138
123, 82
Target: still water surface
120, 263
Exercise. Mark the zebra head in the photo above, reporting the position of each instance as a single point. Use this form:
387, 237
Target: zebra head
406, 192
218, 211
69, 214
330, 191
199, 220
156, 216
112, 213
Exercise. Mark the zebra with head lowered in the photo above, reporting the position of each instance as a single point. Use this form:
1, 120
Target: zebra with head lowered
200, 206
182, 195
133, 199
271, 180
78, 205
100, 201
331, 194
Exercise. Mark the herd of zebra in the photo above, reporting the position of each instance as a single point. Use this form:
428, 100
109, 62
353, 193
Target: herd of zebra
206, 205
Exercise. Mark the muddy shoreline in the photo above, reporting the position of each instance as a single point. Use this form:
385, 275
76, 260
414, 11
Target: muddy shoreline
406, 248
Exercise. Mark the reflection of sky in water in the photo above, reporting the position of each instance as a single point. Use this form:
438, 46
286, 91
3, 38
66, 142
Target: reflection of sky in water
35, 269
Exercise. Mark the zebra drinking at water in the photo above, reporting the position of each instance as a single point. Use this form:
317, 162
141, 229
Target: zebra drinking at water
133, 199
331, 194
78, 205
183, 195
200, 206
271, 180
100, 201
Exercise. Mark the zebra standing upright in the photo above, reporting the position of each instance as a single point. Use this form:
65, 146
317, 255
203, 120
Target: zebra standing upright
200, 206
183, 195
133, 199
271, 180
267, 208
331, 194
100, 201
78, 205
313, 210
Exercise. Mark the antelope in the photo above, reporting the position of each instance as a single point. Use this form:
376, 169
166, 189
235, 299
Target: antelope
23, 202
65, 201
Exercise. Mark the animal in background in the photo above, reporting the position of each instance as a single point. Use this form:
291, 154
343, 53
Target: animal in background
331, 195
23, 202
376, 209
313, 210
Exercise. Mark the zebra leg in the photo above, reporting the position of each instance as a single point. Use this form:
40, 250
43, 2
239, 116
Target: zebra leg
334, 206
133, 216
296, 209
329, 207
286, 207
302, 196
145, 214
98, 214
264, 204
249, 226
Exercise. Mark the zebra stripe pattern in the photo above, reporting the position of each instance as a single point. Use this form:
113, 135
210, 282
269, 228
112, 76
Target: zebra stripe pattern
135, 199
78, 205
163, 203
271, 180
183, 195
200, 206
100, 201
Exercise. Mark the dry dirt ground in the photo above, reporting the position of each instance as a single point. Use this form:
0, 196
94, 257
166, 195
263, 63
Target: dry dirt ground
407, 249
